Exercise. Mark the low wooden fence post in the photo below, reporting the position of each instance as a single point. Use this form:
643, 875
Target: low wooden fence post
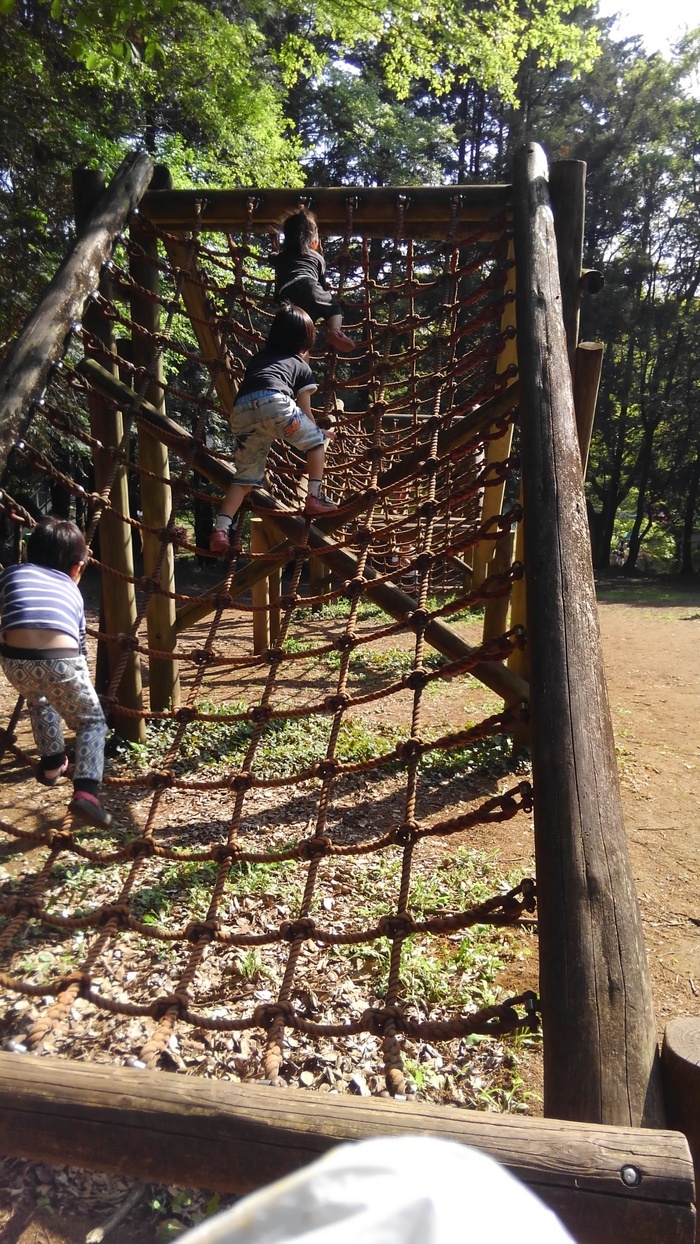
601, 1058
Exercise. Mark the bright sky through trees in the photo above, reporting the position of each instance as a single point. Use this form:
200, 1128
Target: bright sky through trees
660, 25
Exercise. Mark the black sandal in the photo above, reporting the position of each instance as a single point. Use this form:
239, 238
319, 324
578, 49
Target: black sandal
41, 773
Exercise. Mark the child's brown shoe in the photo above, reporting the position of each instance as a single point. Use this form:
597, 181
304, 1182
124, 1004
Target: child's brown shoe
219, 542
88, 809
319, 505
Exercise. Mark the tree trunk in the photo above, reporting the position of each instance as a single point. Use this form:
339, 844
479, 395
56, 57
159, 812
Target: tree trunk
689, 518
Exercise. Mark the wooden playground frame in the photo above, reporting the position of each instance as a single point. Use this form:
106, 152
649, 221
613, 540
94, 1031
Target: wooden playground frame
601, 1157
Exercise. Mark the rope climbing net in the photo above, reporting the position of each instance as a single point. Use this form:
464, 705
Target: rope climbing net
214, 807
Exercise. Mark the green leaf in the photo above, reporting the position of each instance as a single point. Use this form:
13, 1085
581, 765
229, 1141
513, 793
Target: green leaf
57, 9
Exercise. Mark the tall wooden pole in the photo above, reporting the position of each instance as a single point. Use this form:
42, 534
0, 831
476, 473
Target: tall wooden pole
41, 342
156, 495
601, 1058
567, 189
118, 604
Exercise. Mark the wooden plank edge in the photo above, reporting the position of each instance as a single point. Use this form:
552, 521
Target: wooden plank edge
237, 1137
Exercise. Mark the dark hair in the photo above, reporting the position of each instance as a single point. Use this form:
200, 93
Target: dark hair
300, 230
57, 544
292, 329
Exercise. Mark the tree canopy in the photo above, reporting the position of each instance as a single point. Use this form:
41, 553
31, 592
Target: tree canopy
250, 92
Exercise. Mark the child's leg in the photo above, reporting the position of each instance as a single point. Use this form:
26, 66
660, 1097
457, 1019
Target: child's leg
28, 677
316, 502
220, 541
78, 704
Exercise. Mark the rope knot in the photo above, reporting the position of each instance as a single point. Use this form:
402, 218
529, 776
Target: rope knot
304, 927
185, 715
129, 643
202, 930
375, 1021
314, 848
119, 913
138, 847
260, 712
160, 779
201, 656
326, 768
273, 656
528, 889
525, 792
264, 1016
399, 925
410, 747
335, 702
345, 643
355, 587
417, 679
241, 781
225, 851
406, 833
416, 618
178, 1002
59, 839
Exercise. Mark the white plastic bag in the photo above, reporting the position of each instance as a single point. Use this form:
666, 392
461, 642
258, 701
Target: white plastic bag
393, 1190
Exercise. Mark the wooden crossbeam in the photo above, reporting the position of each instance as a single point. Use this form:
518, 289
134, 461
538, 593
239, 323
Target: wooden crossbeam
427, 212
610, 1185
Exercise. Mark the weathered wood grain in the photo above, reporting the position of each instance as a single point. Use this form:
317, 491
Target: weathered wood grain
601, 1060
25, 371
235, 1138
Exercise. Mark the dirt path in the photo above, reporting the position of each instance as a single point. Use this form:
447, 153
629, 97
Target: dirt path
652, 655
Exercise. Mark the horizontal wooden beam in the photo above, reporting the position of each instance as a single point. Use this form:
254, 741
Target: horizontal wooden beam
427, 211
610, 1185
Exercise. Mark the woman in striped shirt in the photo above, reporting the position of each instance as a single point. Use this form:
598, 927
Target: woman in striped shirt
43, 656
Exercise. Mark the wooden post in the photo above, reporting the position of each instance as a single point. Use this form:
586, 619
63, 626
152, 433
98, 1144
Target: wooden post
600, 1054
118, 596
41, 342
496, 610
588, 365
567, 189
275, 587
496, 451
261, 592
608, 1184
156, 497
680, 1068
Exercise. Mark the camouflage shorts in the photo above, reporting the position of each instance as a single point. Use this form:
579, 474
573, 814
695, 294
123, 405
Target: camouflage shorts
261, 418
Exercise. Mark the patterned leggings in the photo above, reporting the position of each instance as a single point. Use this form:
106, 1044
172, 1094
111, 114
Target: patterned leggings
56, 687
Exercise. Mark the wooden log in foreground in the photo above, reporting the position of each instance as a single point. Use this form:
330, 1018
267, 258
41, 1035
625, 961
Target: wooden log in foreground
616, 1185
25, 371
292, 528
600, 1053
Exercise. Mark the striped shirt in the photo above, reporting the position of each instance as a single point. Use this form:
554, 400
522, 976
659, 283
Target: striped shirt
38, 598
